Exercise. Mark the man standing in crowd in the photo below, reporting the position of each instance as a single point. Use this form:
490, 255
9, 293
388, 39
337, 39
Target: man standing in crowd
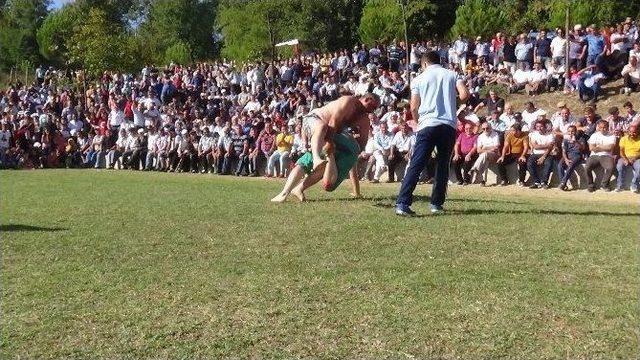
433, 104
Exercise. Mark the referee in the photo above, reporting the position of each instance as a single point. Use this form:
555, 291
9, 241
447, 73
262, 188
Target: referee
433, 105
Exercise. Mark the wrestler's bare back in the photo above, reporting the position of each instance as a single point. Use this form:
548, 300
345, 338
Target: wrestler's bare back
346, 111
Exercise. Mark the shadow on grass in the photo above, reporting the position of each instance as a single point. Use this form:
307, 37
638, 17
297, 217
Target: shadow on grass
528, 212
24, 228
416, 198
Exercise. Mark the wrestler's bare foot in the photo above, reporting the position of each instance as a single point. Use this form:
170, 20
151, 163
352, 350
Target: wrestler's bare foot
299, 194
280, 198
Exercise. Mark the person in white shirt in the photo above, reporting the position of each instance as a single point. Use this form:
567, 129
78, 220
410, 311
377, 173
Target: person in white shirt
631, 76
559, 47
542, 143
618, 40
520, 78
635, 50
562, 120
383, 140
151, 149
555, 76
488, 147
601, 145
162, 150
205, 150
5, 143
401, 147
537, 80
508, 116
183, 151
589, 83
460, 48
530, 115
117, 149
367, 155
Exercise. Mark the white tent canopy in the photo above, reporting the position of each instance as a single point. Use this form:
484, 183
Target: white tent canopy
288, 43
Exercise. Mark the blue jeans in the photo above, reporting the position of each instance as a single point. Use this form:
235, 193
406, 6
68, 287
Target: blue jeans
532, 165
622, 170
442, 138
564, 171
584, 90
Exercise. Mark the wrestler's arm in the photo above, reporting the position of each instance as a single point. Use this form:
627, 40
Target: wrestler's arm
363, 130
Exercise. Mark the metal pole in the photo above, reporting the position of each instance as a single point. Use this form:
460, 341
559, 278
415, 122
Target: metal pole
568, 43
406, 42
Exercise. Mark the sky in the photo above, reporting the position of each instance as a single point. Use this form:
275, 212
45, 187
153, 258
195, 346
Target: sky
56, 4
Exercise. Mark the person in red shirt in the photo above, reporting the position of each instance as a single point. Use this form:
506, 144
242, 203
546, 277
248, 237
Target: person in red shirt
465, 153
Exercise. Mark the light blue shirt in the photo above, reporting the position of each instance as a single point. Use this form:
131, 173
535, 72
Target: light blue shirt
436, 87
383, 141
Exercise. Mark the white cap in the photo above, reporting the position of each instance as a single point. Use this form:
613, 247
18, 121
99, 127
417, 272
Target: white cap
184, 132
140, 131
37, 144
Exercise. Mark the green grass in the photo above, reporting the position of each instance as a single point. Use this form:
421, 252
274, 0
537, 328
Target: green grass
150, 265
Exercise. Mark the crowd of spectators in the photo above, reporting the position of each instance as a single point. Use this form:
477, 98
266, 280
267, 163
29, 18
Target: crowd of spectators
245, 119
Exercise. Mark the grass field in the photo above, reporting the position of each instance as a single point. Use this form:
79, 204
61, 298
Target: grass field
151, 265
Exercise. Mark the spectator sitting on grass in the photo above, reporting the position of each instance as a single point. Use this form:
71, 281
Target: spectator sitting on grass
562, 121
573, 147
464, 154
401, 146
383, 140
514, 150
240, 149
152, 151
487, 146
206, 146
589, 83
601, 145
537, 80
283, 144
265, 146
631, 76
117, 149
629, 158
542, 143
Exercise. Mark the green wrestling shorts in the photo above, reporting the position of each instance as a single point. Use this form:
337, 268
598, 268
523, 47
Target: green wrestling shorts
347, 151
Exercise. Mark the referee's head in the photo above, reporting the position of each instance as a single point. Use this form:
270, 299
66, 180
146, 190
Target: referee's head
431, 58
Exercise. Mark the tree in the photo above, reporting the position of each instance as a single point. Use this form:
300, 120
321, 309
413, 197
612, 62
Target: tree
187, 22
56, 31
251, 29
98, 45
382, 19
19, 22
178, 53
478, 18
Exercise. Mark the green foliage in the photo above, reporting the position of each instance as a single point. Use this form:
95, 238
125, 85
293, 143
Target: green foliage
251, 29
478, 17
99, 45
179, 53
56, 31
191, 22
19, 22
381, 21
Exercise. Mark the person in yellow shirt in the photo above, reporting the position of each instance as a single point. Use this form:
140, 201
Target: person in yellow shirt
283, 144
629, 158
